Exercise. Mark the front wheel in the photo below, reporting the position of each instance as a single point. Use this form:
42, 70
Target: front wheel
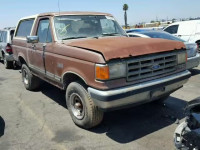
81, 107
30, 81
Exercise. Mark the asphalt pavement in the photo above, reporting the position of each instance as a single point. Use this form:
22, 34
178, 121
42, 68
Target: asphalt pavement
40, 120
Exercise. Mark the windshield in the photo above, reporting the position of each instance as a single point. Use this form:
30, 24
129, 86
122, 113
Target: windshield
162, 35
72, 27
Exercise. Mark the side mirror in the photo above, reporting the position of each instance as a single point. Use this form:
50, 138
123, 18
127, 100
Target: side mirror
32, 39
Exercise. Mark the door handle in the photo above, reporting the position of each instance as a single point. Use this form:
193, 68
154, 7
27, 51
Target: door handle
33, 46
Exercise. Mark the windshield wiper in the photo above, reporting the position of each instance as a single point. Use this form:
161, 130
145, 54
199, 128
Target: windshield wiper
110, 34
74, 38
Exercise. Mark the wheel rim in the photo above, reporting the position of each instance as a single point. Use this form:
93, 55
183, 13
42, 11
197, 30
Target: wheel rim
77, 106
25, 76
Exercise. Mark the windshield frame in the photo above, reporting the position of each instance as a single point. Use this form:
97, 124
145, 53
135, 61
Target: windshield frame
123, 33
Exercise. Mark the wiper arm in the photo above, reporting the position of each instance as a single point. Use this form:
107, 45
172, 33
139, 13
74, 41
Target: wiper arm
74, 37
110, 34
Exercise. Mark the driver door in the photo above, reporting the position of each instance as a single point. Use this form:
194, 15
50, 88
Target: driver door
43, 31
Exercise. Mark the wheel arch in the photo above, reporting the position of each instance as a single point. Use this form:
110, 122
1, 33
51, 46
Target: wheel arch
21, 60
69, 77
198, 41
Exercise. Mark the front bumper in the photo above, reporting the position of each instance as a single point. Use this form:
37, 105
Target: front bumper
9, 57
139, 93
193, 61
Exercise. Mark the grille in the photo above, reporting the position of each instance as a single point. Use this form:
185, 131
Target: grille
151, 66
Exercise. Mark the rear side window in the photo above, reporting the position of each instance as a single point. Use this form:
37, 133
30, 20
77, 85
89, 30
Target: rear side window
172, 29
24, 28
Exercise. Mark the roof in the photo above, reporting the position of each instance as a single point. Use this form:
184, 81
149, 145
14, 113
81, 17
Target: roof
7, 28
73, 13
66, 13
184, 22
29, 17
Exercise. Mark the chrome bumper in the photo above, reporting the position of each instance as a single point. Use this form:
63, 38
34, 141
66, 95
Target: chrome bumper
9, 57
193, 61
139, 93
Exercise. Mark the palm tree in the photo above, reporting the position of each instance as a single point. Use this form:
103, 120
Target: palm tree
125, 8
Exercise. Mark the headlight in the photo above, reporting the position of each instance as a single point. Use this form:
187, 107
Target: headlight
182, 58
117, 70
110, 71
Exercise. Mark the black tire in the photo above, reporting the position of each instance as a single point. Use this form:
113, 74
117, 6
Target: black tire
30, 81
198, 43
7, 64
91, 115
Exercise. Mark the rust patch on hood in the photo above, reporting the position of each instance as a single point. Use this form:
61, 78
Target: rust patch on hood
123, 47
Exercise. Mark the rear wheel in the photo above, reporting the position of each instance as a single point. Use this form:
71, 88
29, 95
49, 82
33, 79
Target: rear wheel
81, 107
30, 81
7, 64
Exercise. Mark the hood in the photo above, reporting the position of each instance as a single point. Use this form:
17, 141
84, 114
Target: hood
123, 47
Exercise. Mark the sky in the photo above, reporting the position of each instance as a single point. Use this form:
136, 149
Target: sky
139, 10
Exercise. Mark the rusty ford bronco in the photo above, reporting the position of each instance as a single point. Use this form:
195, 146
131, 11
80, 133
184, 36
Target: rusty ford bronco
90, 56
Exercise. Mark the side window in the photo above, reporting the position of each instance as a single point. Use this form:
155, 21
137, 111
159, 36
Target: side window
44, 32
24, 28
4, 36
172, 29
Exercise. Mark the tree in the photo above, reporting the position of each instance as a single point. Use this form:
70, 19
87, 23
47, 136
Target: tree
125, 8
173, 20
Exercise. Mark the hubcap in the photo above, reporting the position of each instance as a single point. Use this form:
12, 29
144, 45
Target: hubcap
25, 76
76, 103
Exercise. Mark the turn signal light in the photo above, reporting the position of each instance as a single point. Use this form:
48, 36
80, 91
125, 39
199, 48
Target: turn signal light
102, 72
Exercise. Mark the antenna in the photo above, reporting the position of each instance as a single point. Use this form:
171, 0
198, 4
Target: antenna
59, 6
59, 11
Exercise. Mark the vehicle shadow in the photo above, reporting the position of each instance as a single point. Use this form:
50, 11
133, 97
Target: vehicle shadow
124, 126
2, 126
127, 125
195, 71
53, 93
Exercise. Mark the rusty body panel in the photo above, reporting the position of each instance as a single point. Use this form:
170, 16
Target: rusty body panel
123, 47
20, 49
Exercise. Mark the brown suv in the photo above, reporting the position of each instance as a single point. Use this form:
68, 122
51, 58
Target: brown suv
90, 56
